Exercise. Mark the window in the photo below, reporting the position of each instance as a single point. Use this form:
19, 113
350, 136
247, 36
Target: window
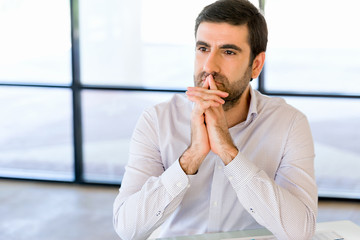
313, 46
36, 124
109, 118
147, 44
139, 43
36, 133
76, 75
335, 125
313, 53
35, 42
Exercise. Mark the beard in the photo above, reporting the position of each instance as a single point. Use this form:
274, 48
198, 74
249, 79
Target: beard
235, 89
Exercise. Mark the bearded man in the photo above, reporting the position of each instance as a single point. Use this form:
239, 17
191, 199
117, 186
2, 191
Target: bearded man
222, 157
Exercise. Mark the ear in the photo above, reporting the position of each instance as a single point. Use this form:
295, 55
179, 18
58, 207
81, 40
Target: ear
257, 65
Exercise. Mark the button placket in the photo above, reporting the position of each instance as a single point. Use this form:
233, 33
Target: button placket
216, 196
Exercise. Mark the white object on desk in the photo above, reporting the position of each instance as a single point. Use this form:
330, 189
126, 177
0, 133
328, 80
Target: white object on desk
339, 230
268, 237
346, 229
319, 235
327, 235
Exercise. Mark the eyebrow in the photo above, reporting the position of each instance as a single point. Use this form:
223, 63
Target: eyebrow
231, 46
224, 46
198, 43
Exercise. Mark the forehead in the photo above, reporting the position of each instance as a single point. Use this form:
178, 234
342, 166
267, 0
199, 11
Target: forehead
223, 33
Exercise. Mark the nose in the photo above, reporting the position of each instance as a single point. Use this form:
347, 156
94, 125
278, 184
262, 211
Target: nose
211, 64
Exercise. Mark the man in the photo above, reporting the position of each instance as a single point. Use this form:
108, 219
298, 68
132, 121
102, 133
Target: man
224, 157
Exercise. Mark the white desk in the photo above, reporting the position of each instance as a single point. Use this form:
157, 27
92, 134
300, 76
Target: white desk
347, 229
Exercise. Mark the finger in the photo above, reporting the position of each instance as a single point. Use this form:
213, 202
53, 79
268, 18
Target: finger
211, 81
204, 104
192, 90
205, 96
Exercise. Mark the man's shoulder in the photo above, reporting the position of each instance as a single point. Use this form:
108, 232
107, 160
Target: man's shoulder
275, 104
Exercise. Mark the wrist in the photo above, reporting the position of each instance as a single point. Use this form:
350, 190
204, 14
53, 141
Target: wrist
229, 154
190, 161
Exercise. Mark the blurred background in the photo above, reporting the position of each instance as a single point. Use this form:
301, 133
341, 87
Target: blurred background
76, 75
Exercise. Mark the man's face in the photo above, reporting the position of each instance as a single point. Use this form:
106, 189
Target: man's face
223, 51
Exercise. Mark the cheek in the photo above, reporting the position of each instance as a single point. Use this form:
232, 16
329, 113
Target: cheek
239, 71
231, 72
198, 63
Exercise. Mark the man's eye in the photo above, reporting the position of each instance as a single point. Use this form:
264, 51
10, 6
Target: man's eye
202, 49
228, 52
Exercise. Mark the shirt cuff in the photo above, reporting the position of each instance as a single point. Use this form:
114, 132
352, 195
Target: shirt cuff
174, 179
240, 170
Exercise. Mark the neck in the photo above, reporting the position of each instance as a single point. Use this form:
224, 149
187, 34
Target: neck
239, 112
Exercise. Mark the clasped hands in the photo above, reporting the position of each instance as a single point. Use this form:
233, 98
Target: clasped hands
209, 128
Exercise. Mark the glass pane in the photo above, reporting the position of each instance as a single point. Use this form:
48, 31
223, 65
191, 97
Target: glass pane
36, 133
313, 46
139, 43
35, 41
109, 118
335, 126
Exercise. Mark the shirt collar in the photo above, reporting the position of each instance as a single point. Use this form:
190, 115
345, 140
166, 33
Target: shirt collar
253, 108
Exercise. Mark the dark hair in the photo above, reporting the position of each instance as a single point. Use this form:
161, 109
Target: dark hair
238, 12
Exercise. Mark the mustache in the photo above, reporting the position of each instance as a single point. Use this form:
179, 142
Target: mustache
219, 78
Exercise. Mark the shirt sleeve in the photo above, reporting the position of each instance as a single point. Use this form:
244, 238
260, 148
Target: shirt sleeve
148, 193
286, 205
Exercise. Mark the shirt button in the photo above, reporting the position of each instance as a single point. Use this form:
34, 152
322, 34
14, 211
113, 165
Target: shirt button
215, 203
158, 213
220, 167
179, 184
231, 178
